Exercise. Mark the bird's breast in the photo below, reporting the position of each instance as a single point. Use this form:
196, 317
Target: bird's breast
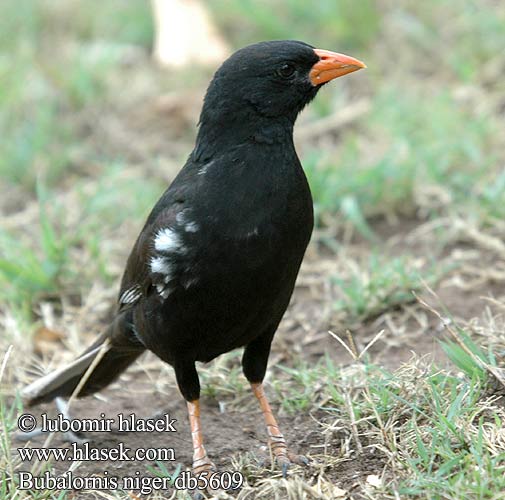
227, 267
257, 226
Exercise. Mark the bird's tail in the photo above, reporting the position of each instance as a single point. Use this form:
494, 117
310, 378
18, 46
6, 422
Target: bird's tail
121, 348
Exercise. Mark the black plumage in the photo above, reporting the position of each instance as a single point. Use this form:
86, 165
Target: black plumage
215, 265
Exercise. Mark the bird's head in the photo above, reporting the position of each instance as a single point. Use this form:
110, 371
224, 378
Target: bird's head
276, 78
266, 82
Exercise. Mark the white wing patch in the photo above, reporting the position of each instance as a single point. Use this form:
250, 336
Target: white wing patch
166, 243
183, 220
181, 216
171, 249
163, 290
203, 170
160, 265
167, 240
130, 295
191, 227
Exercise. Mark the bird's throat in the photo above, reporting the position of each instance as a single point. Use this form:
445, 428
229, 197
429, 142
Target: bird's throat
217, 135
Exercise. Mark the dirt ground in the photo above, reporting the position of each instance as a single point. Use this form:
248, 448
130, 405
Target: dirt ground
427, 116
232, 434
227, 434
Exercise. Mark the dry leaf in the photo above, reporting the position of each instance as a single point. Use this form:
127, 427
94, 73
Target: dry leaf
374, 480
339, 492
44, 339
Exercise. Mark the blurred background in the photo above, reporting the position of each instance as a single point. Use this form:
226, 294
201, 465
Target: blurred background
93, 128
406, 161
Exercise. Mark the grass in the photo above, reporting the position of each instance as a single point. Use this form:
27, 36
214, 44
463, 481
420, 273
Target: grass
379, 285
32, 143
445, 149
9, 461
224, 382
38, 90
84, 157
26, 274
42, 264
322, 22
436, 425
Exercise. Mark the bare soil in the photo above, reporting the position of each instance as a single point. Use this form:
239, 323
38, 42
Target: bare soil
228, 434
302, 335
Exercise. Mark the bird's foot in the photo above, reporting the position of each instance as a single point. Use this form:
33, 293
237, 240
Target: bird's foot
202, 465
204, 469
284, 457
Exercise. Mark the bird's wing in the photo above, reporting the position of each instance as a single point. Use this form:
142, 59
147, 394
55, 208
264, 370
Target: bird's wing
148, 265
162, 255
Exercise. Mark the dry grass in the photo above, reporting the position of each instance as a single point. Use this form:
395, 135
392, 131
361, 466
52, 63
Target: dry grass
406, 166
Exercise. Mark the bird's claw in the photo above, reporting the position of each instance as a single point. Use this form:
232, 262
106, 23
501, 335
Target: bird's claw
201, 466
285, 467
285, 459
302, 460
298, 459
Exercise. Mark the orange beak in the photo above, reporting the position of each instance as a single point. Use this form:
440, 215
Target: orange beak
332, 65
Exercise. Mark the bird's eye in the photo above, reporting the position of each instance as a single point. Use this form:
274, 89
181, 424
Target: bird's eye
286, 70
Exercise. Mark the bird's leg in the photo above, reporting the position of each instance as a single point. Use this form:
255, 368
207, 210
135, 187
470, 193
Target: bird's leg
201, 461
254, 364
275, 438
189, 385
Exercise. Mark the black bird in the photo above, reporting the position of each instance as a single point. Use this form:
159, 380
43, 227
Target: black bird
215, 265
